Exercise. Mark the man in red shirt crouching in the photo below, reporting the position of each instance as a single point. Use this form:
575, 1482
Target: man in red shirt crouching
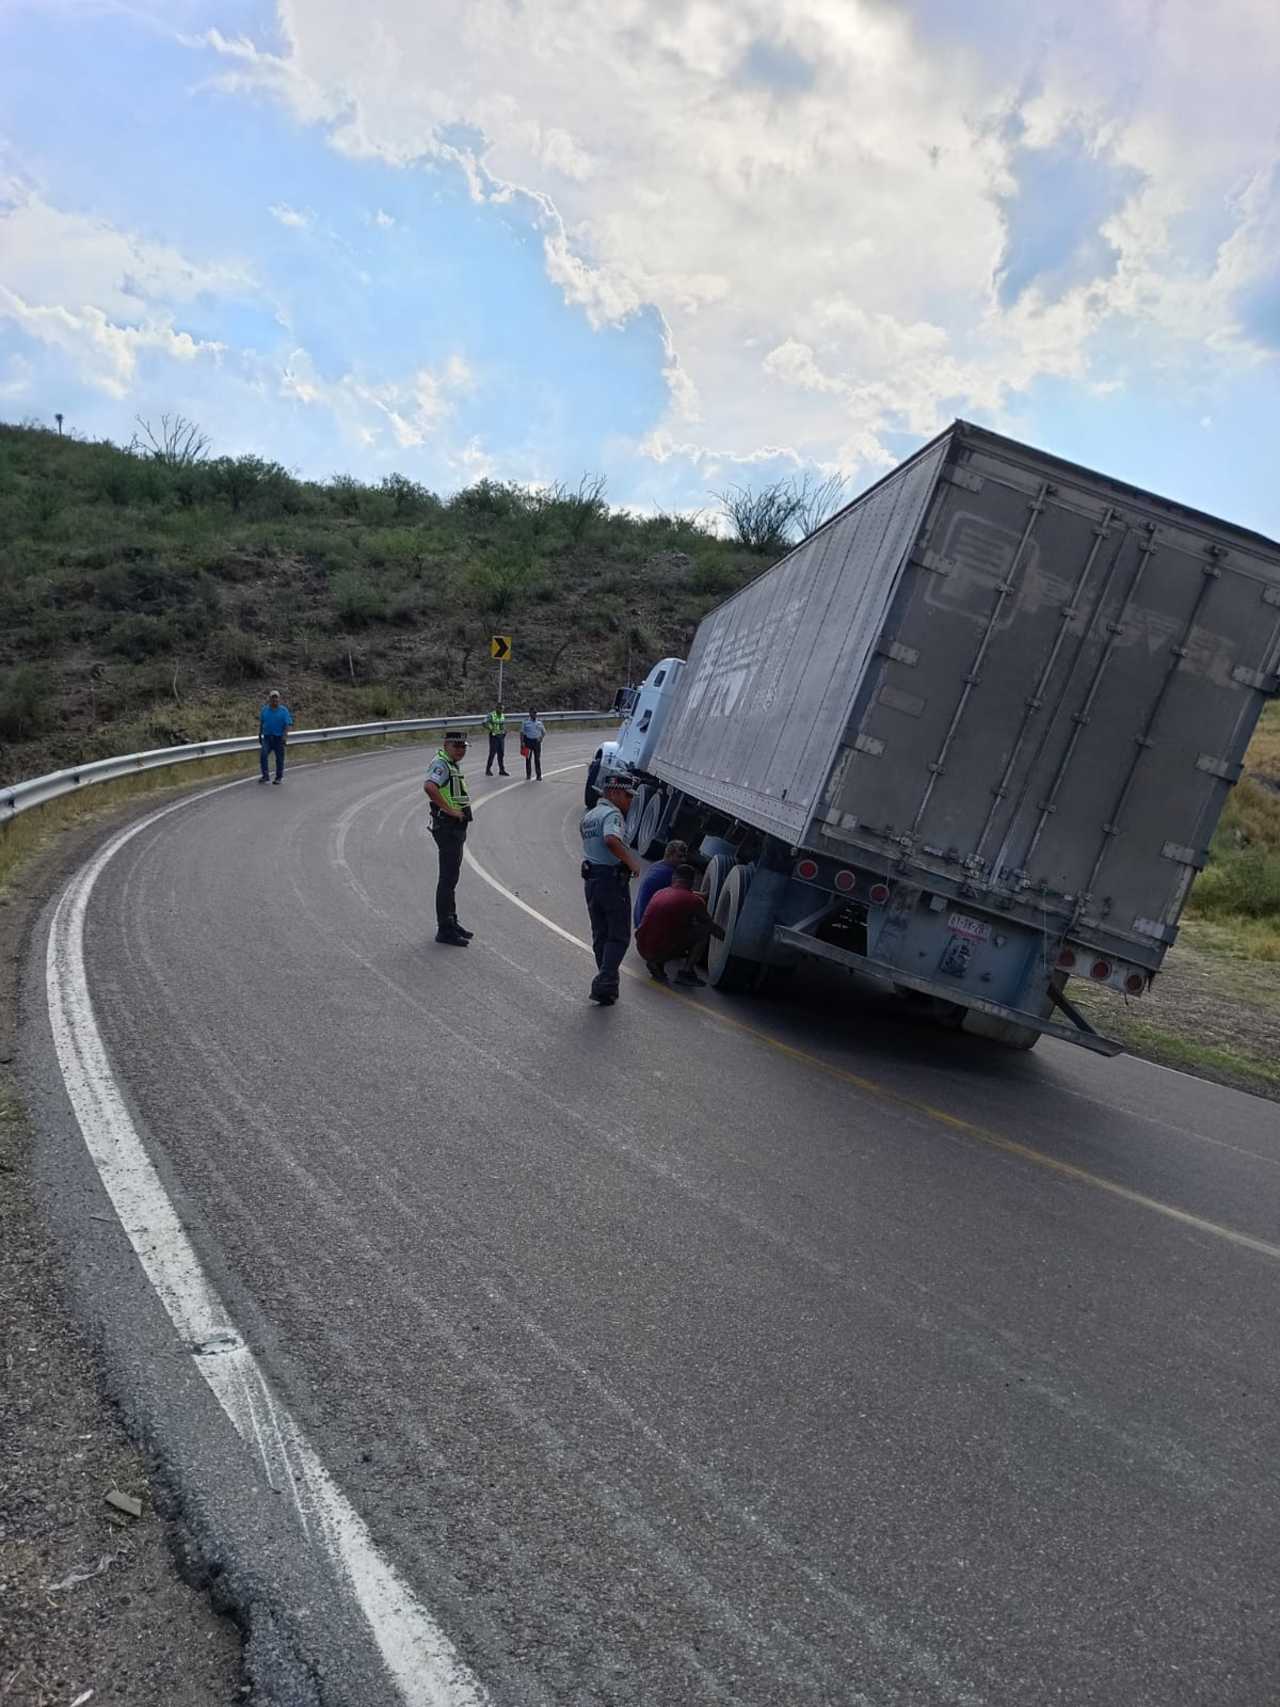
674, 927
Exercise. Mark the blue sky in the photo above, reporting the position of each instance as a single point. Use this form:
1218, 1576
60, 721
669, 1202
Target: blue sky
683, 243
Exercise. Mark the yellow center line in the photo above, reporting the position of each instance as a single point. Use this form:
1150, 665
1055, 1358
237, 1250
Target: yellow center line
885, 1093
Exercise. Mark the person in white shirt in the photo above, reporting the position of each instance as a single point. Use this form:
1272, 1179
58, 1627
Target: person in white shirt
531, 736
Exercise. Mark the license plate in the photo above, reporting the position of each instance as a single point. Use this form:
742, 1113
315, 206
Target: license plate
977, 930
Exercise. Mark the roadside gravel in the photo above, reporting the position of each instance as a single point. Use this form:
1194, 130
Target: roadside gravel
96, 1605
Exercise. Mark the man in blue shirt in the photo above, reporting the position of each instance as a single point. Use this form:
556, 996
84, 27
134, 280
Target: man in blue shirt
608, 865
659, 876
274, 722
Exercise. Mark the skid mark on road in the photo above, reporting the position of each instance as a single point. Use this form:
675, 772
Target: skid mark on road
419, 1657
885, 1093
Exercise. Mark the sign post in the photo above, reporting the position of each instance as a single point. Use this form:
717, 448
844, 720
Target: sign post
500, 648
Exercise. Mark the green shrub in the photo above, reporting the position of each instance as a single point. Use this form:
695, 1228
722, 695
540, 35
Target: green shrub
496, 587
45, 504
711, 574
347, 494
251, 481
406, 604
402, 545
406, 497
1245, 883
236, 656
356, 600
24, 703
578, 511
137, 637
128, 480
379, 700
489, 501
1242, 879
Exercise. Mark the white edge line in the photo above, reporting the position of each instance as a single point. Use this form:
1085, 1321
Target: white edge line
424, 1664
501, 888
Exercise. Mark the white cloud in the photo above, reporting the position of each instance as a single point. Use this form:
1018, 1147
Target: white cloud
17, 379
406, 412
297, 219
818, 180
472, 463
104, 353
100, 296
54, 256
383, 219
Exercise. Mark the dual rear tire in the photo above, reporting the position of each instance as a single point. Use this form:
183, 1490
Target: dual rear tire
644, 821
726, 970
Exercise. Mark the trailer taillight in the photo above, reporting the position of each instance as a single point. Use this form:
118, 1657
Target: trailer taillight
1101, 970
807, 869
878, 894
1135, 983
1066, 958
845, 881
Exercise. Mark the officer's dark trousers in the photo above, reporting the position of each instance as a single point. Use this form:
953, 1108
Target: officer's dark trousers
497, 750
449, 835
609, 908
267, 746
532, 757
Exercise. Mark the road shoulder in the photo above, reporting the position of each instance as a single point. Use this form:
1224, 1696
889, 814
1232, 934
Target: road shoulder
91, 1596
1207, 1014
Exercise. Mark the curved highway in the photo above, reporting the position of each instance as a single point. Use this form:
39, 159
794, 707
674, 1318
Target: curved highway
702, 1349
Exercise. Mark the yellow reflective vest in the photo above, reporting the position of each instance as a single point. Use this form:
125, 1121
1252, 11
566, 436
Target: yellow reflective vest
454, 792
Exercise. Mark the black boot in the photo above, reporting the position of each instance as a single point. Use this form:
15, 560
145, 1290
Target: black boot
451, 938
461, 929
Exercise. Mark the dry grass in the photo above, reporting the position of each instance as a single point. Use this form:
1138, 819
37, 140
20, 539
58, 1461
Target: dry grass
1263, 758
1239, 891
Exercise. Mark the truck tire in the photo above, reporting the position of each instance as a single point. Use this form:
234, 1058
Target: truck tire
726, 970
590, 793
635, 812
1003, 1031
648, 845
717, 869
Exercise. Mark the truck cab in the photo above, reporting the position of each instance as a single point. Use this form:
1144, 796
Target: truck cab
644, 710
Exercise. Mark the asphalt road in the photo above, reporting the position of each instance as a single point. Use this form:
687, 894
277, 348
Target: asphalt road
700, 1349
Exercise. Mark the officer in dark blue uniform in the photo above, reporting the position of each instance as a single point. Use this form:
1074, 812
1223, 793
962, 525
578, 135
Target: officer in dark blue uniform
608, 865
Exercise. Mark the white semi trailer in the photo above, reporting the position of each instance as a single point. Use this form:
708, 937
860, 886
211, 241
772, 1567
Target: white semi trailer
971, 738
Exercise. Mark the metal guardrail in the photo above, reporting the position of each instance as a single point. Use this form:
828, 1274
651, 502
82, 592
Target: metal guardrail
21, 796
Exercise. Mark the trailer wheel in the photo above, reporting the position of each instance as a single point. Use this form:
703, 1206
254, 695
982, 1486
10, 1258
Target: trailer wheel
635, 812
710, 885
725, 969
647, 844
717, 869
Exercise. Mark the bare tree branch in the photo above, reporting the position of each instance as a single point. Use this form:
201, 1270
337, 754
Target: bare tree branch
770, 518
177, 442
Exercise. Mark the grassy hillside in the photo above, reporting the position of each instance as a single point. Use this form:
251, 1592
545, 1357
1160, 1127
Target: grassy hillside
144, 605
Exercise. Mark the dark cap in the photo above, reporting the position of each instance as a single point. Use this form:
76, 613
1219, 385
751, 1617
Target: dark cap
455, 735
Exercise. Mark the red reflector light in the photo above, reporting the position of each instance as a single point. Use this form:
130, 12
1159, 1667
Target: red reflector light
879, 893
845, 881
1135, 983
808, 869
1100, 969
1066, 958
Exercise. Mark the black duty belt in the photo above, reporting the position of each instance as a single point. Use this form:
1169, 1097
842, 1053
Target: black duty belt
590, 870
